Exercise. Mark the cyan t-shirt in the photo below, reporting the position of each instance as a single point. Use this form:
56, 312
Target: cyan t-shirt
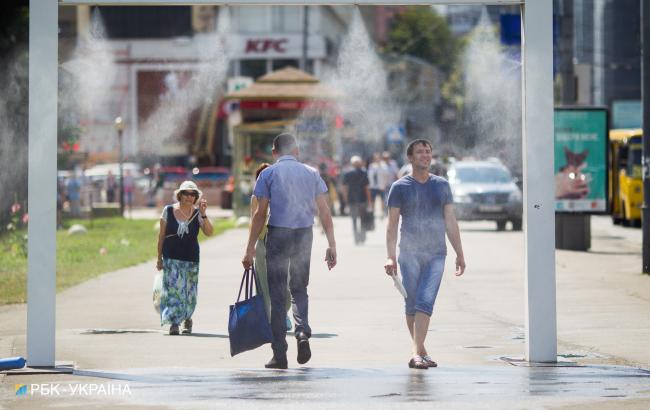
422, 209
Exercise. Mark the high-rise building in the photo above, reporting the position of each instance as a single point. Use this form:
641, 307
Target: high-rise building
600, 52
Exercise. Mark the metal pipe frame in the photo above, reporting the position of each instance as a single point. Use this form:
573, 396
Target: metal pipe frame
537, 114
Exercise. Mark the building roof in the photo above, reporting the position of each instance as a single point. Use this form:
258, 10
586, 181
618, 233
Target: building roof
264, 125
288, 75
285, 84
621, 134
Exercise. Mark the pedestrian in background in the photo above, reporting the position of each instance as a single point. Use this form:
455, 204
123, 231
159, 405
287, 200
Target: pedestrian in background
379, 176
425, 204
129, 189
391, 168
73, 189
343, 168
330, 184
111, 187
357, 195
178, 256
60, 199
294, 191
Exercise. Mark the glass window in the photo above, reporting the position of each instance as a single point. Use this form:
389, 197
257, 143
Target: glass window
252, 68
287, 19
146, 21
310, 67
634, 163
278, 64
253, 19
485, 175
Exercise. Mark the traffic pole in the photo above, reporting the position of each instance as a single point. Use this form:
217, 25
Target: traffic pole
305, 38
645, 158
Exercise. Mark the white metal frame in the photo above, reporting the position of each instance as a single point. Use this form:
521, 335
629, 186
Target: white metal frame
537, 111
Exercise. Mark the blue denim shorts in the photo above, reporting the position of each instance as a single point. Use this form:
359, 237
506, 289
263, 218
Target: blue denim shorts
421, 276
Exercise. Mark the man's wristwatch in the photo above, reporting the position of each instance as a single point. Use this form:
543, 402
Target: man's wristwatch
204, 216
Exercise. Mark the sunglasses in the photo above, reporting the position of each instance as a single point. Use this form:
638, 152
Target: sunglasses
190, 193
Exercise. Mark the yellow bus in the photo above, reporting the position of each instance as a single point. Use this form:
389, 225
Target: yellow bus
625, 178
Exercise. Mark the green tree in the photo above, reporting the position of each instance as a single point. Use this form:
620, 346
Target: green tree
14, 67
14, 25
419, 31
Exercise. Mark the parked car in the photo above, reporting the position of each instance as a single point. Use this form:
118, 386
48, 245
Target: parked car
211, 176
172, 176
486, 190
98, 173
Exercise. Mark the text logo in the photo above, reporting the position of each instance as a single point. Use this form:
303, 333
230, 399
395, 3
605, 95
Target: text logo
21, 389
73, 389
264, 45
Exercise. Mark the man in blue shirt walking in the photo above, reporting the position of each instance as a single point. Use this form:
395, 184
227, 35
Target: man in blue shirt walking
295, 192
425, 203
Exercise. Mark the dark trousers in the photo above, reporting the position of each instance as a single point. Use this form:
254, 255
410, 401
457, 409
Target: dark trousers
288, 251
356, 211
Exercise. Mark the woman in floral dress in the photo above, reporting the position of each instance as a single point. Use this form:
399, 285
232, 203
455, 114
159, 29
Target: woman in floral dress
178, 256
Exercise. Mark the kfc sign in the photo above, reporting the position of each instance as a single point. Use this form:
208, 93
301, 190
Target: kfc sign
266, 45
276, 46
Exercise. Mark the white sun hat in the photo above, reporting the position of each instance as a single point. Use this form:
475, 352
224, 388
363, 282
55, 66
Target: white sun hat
188, 186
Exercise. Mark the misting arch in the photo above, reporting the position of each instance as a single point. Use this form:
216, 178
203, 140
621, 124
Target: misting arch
537, 120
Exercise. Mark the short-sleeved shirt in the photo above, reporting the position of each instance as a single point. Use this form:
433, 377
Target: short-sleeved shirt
357, 181
292, 188
422, 209
129, 183
381, 176
73, 188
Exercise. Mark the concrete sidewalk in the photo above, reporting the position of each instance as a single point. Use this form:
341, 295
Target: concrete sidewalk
108, 327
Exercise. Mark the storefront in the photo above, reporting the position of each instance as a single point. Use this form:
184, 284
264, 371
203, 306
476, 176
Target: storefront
257, 55
287, 100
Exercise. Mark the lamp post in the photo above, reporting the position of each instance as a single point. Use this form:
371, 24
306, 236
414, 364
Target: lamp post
119, 127
645, 157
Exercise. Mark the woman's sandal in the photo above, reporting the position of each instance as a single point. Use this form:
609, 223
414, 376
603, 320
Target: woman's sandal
417, 362
429, 361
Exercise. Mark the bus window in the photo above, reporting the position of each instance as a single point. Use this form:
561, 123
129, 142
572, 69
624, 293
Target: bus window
634, 163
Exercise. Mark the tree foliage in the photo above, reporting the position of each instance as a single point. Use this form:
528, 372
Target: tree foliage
14, 67
14, 24
419, 31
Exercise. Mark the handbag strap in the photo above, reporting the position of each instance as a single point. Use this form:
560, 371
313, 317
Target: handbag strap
244, 278
249, 278
249, 294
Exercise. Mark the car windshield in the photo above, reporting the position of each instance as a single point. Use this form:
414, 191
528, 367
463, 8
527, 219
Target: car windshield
634, 163
481, 175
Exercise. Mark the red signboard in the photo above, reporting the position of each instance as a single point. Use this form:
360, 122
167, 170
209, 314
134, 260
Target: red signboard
262, 45
284, 105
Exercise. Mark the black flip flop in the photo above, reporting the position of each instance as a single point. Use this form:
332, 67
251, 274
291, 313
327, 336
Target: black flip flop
418, 362
429, 361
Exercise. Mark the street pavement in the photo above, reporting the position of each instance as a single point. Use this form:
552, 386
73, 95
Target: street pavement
107, 326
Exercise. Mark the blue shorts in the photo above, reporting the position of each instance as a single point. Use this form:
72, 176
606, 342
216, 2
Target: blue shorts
421, 276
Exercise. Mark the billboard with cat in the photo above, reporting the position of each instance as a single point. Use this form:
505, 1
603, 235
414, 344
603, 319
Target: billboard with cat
581, 159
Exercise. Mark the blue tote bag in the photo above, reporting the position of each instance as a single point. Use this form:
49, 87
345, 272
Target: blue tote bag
248, 325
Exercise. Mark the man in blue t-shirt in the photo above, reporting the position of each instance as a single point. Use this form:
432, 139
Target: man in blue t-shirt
294, 192
425, 203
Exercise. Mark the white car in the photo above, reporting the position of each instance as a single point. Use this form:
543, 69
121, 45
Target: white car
485, 190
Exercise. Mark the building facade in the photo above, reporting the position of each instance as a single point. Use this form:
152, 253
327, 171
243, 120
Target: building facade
600, 56
144, 55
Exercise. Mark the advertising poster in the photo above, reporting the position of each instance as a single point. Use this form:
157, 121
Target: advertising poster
581, 160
